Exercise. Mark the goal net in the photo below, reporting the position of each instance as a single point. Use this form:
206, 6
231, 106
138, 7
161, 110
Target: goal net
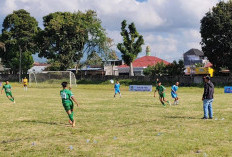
51, 78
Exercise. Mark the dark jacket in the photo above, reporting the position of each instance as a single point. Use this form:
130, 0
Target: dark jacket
208, 90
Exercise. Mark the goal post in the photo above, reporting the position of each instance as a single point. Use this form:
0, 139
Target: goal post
52, 78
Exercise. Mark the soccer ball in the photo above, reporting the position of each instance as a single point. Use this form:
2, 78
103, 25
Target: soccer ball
112, 81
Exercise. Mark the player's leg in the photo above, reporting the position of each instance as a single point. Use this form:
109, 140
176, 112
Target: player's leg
115, 92
205, 108
210, 109
120, 94
72, 113
161, 100
164, 100
67, 108
25, 87
9, 96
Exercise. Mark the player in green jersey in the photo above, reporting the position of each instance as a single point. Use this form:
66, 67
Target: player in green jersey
7, 88
67, 101
161, 91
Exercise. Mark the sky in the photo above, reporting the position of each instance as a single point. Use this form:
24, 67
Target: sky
169, 27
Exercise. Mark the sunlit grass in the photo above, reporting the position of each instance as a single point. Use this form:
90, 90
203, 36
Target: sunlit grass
134, 125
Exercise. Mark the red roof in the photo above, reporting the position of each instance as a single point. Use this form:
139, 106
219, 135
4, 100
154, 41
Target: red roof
145, 62
208, 65
40, 64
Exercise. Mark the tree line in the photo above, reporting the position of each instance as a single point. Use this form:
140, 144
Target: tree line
63, 40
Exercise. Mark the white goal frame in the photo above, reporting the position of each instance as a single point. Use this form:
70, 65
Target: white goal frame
44, 72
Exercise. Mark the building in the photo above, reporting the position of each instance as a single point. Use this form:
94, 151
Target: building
193, 56
140, 64
111, 67
196, 63
38, 67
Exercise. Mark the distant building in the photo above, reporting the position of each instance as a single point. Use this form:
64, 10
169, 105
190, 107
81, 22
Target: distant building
197, 64
193, 56
140, 64
111, 67
38, 67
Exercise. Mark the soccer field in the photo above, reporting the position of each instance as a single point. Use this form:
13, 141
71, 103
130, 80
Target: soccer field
134, 125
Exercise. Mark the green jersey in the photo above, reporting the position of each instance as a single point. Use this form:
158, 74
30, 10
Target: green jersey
66, 96
7, 88
160, 89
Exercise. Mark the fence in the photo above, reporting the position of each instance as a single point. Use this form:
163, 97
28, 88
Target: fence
184, 80
11, 77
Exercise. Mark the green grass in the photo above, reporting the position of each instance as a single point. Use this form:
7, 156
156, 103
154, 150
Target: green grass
134, 125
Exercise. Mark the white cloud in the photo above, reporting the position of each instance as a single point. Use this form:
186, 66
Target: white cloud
170, 27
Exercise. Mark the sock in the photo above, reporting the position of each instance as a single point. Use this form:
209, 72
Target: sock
11, 99
71, 117
163, 103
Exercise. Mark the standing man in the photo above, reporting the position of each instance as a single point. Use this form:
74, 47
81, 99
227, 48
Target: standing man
117, 89
161, 91
25, 82
7, 88
174, 93
67, 101
207, 98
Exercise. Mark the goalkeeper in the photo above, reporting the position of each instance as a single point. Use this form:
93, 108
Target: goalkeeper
67, 101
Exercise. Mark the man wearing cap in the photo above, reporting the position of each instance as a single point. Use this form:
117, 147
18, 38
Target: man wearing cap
207, 98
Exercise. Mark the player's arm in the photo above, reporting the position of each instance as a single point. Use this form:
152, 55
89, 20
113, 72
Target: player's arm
154, 93
2, 89
73, 99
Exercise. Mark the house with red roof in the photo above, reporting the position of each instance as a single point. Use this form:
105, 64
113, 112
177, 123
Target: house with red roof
140, 64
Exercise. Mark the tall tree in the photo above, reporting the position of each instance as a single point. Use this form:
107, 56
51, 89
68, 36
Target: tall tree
93, 59
131, 46
109, 53
67, 36
19, 30
216, 33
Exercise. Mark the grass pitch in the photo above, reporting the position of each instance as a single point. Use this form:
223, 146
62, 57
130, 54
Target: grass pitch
134, 125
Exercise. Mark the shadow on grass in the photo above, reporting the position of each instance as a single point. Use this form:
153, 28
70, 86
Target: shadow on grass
14, 140
180, 117
42, 122
135, 123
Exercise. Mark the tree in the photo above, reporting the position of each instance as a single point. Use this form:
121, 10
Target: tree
19, 30
175, 68
131, 46
108, 53
67, 36
157, 70
93, 59
216, 33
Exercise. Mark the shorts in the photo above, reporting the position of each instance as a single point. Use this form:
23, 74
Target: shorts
8, 94
68, 106
117, 91
162, 95
25, 85
174, 95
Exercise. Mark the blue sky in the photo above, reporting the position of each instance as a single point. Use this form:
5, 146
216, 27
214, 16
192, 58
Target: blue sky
169, 27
